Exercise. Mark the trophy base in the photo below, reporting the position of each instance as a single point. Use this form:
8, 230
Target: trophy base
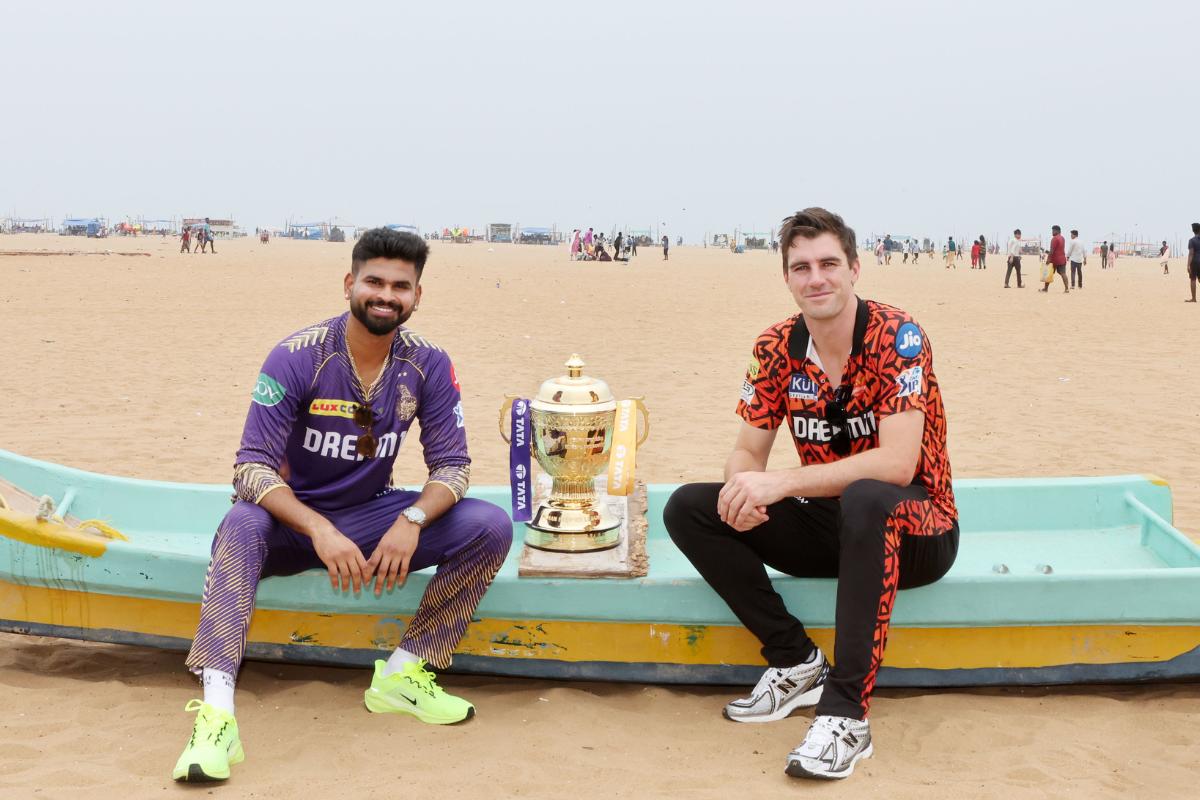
573, 530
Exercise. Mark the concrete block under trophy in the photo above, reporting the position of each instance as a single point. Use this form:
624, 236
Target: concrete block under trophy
575, 429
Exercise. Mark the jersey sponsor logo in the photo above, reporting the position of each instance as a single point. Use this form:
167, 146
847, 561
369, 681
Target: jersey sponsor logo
325, 407
331, 444
747, 392
909, 381
406, 404
305, 339
753, 368
267, 391
908, 340
459, 419
802, 388
815, 429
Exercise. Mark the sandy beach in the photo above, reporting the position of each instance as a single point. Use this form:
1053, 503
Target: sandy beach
142, 366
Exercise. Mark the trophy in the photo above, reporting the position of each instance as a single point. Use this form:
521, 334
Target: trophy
570, 427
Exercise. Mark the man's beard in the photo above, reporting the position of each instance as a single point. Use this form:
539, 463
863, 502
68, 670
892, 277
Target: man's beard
379, 327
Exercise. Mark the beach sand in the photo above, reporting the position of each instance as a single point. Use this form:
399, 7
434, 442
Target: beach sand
142, 366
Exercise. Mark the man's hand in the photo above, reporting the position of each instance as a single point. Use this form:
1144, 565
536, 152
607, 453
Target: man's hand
743, 500
341, 557
392, 555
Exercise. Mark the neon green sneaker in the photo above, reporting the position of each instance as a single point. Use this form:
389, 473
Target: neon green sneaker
213, 747
413, 691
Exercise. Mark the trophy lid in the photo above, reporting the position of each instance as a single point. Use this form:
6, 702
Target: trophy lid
574, 388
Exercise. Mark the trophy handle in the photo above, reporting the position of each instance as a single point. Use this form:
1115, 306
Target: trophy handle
645, 418
504, 409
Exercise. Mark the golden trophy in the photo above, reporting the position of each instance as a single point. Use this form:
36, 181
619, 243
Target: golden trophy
572, 421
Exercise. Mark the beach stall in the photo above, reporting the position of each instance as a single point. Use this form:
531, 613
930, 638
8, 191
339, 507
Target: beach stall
499, 232
756, 240
92, 227
220, 228
535, 236
317, 231
29, 225
159, 227
642, 237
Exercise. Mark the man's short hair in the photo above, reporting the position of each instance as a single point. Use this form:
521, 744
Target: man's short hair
811, 223
387, 243
1055, 229
1017, 232
1074, 232
1196, 228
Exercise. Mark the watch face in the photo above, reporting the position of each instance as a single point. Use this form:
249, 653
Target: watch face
415, 515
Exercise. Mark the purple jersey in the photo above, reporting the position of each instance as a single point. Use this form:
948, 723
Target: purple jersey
301, 420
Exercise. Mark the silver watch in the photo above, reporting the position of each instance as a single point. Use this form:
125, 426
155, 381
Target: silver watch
414, 515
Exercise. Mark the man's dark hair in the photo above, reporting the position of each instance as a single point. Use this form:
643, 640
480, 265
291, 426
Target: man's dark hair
1055, 229
1017, 232
387, 243
1196, 228
811, 223
1074, 232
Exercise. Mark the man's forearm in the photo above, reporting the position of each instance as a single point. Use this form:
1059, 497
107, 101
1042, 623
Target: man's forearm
284, 506
435, 500
743, 461
830, 480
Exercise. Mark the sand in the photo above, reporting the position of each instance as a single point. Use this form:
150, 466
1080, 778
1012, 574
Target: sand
143, 366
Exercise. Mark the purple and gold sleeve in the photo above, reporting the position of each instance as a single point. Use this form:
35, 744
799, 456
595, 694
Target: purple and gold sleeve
443, 431
274, 404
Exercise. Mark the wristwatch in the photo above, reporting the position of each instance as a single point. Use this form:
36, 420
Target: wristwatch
414, 515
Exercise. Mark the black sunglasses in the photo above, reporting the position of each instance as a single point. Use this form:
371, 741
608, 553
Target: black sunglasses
835, 415
367, 444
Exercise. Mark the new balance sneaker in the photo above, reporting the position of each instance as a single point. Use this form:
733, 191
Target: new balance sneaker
831, 748
781, 691
414, 691
213, 747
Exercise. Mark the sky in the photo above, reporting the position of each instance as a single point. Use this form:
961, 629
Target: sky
914, 118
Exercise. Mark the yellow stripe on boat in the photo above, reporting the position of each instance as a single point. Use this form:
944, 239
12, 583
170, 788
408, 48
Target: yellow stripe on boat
1004, 647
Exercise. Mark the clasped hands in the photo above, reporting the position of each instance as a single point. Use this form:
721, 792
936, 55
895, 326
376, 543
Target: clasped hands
388, 565
743, 500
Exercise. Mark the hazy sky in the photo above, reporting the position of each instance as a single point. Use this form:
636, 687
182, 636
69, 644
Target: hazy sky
911, 117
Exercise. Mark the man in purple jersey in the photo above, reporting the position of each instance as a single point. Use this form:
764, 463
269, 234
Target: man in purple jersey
330, 409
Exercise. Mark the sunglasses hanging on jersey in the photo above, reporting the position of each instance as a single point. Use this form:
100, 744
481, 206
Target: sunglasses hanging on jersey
367, 443
835, 415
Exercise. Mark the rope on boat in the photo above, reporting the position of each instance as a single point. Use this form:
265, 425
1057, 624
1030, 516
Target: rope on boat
45, 513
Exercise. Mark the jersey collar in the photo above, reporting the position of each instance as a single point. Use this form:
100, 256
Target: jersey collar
800, 342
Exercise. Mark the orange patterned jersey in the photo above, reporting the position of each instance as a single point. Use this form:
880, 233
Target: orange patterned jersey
890, 370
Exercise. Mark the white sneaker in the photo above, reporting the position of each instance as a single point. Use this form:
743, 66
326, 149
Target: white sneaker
781, 691
831, 748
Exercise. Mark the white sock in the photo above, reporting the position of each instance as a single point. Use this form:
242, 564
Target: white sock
218, 688
397, 660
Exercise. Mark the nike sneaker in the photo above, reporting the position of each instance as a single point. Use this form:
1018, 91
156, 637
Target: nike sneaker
414, 691
214, 745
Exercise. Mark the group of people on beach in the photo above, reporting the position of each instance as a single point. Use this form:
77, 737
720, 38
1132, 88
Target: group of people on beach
851, 381
203, 236
591, 246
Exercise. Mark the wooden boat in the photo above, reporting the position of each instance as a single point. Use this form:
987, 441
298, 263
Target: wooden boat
1058, 580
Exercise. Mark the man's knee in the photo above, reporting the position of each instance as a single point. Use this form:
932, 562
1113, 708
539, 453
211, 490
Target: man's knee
866, 505
688, 506
245, 526
493, 523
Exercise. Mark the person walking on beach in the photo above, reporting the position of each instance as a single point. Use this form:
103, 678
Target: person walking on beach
887, 248
1057, 258
1112, 256
1014, 259
1078, 257
1164, 255
618, 244
950, 253
666, 244
879, 252
185, 240
1193, 259
313, 484
576, 247
852, 383
1104, 254
983, 246
915, 249
974, 254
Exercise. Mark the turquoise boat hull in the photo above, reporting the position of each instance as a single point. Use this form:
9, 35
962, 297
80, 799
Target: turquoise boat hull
1097, 586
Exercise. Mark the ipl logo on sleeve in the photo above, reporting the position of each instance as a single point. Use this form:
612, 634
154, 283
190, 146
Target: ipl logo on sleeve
747, 392
909, 381
908, 340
